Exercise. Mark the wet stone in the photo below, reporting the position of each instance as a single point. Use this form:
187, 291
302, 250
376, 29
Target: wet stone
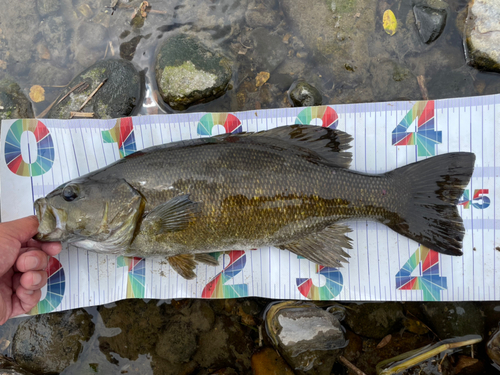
302, 94
13, 103
177, 343
430, 22
139, 323
454, 319
482, 35
374, 320
262, 13
49, 343
117, 97
188, 72
268, 50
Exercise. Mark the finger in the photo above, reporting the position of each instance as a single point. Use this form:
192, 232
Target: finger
21, 230
51, 248
24, 300
33, 280
32, 260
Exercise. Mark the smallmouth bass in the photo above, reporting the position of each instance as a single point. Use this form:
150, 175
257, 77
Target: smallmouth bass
288, 187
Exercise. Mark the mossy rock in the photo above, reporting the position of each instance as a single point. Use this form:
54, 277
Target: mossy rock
13, 103
120, 94
188, 72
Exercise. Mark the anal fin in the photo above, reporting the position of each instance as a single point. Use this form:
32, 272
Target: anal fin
184, 264
325, 248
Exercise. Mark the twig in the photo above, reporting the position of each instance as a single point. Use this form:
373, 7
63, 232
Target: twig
156, 11
351, 366
111, 48
106, 52
71, 90
92, 94
423, 89
260, 335
81, 114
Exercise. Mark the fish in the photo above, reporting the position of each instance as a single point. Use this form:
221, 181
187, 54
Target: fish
290, 187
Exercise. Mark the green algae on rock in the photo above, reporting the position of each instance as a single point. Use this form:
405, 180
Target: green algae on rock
49, 343
118, 96
188, 72
13, 103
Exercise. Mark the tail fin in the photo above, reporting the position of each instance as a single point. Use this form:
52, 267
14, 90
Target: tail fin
434, 187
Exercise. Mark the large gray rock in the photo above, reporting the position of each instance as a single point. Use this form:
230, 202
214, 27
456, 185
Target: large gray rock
482, 35
13, 103
117, 97
49, 343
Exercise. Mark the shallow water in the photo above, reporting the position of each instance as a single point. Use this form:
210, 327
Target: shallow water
48, 44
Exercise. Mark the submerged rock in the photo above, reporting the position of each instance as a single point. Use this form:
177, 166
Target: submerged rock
13, 103
117, 97
374, 320
188, 72
302, 94
268, 50
430, 22
49, 343
262, 13
482, 35
308, 337
454, 319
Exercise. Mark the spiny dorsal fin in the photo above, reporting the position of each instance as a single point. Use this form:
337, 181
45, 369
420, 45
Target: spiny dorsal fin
173, 215
324, 248
325, 144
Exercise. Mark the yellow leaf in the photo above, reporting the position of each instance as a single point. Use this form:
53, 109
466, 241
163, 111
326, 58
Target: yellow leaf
262, 78
390, 23
37, 93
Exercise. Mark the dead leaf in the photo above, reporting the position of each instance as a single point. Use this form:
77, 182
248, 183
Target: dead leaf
389, 22
37, 93
43, 52
286, 38
464, 362
384, 341
262, 78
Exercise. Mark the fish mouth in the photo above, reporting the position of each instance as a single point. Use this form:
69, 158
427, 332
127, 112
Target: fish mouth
52, 222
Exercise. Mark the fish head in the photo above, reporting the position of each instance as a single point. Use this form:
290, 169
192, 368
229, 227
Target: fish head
90, 210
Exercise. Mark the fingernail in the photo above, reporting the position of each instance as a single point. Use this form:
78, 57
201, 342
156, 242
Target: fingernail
31, 263
29, 292
37, 279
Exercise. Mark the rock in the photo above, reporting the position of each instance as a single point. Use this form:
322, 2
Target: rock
57, 35
482, 35
46, 73
227, 344
454, 319
201, 316
139, 323
49, 343
374, 320
177, 343
128, 48
117, 97
188, 72
302, 94
10, 367
430, 22
47, 7
262, 14
268, 50
91, 35
308, 337
13, 103
267, 361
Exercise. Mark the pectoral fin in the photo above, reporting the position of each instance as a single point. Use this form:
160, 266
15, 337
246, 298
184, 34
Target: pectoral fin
324, 248
171, 216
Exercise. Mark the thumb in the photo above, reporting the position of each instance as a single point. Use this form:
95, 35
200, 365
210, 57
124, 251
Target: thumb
21, 230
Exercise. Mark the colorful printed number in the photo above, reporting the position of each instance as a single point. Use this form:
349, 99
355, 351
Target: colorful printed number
122, 134
136, 280
480, 200
56, 285
326, 114
331, 289
429, 280
44, 148
230, 122
425, 138
217, 287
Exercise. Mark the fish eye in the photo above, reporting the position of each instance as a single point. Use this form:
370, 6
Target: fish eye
70, 192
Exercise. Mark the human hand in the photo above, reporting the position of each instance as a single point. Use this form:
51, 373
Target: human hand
22, 266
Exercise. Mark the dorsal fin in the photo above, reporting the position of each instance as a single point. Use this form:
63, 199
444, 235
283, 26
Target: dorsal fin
325, 143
